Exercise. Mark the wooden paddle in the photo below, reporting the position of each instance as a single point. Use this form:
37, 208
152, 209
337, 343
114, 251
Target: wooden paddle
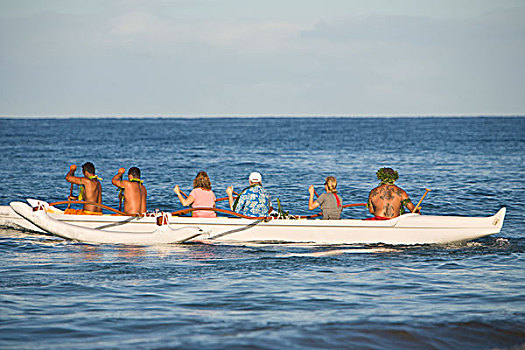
120, 196
354, 205
344, 206
93, 203
217, 200
70, 195
421, 200
223, 199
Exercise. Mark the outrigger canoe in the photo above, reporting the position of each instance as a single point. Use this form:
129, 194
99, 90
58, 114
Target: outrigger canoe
406, 229
154, 230
11, 220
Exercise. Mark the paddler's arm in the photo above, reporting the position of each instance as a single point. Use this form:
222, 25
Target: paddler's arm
143, 200
185, 202
70, 176
311, 203
369, 204
117, 179
405, 200
99, 199
229, 192
408, 203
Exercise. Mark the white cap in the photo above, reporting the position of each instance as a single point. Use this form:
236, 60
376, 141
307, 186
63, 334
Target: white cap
255, 177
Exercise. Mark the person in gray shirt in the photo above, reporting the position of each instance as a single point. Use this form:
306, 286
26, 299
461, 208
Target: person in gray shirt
330, 202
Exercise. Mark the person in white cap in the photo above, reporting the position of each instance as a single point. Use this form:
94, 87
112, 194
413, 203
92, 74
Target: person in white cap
253, 201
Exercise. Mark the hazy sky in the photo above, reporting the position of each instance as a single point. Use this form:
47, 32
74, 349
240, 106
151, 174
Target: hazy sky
264, 57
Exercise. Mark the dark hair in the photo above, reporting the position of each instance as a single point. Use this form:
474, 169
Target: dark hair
89, 168
202, 180
135, 172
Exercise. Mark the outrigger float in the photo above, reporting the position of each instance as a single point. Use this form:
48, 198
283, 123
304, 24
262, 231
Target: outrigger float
163, 228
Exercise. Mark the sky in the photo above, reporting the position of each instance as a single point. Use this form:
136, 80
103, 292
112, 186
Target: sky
262, 58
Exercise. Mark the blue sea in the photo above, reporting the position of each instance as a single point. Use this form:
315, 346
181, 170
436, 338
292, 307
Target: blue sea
59, 294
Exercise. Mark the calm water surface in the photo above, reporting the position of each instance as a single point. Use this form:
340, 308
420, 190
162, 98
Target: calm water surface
57, 294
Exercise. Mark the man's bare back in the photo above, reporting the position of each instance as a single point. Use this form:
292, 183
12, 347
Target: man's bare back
92, 191
386, 201
135, 193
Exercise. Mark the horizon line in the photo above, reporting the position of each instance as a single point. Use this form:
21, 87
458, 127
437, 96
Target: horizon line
203, 116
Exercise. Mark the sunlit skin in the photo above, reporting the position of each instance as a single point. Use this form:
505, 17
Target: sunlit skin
135, 193
386, 200
311, 203
93, 188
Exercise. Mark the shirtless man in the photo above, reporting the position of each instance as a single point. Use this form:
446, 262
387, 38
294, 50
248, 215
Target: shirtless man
135, 192
90, 187
386, 200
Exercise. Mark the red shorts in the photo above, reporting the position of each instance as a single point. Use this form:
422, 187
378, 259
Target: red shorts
378, 218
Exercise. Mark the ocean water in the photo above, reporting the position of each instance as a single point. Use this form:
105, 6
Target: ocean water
59, 294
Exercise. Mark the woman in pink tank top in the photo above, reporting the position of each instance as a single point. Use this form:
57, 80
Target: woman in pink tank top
200, 197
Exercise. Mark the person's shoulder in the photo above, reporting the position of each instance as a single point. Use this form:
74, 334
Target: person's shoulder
321, 197
253, 189
204, 191
375, 190
94, 181
264, 191
132, 184
399, 190
196, 191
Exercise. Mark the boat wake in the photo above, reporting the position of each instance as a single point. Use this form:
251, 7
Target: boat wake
335, 252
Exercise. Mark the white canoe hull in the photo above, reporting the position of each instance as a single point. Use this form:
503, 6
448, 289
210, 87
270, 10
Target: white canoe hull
10, 219
156, 234
406, 229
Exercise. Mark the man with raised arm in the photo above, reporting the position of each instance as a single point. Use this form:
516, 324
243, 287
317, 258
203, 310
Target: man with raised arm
90, 189
387, 201
253, 200
134, 191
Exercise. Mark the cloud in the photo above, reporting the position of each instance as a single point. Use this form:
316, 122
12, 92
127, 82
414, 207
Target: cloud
425, 64
158, 35
146, 60
134, 23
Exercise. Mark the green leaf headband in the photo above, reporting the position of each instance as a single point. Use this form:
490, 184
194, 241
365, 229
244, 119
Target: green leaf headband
387, 177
